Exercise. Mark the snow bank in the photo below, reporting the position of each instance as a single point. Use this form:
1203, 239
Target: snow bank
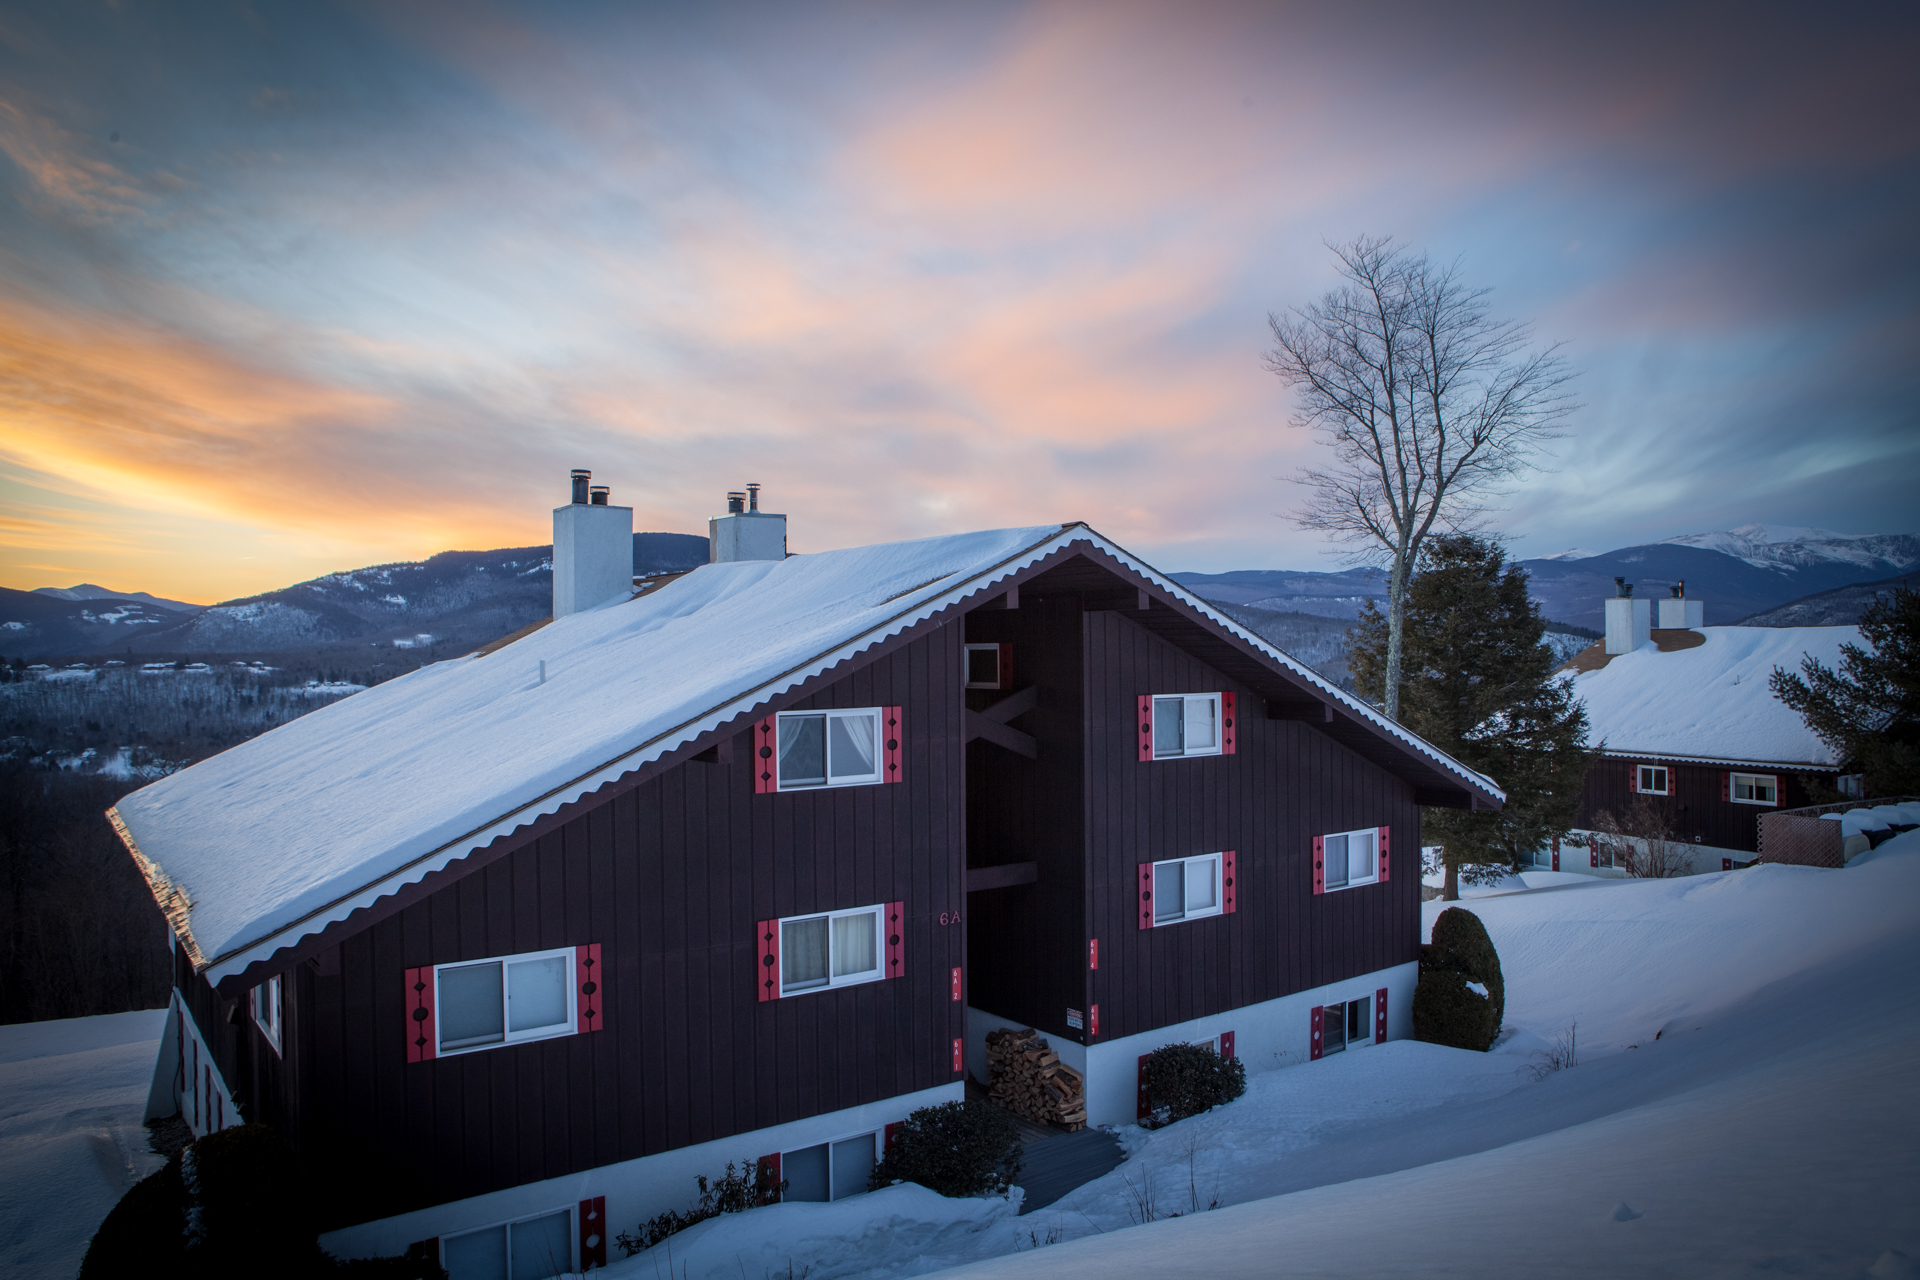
71, 1138
1712, 701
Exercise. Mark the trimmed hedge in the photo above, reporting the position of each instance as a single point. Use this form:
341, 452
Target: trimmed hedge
1445, 1010
1182, 1080
957, 1148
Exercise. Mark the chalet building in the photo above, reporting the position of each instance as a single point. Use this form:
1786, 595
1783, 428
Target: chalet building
746, 863
1684, 716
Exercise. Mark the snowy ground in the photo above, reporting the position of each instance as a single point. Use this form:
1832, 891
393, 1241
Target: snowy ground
1744, 1105
71, 1097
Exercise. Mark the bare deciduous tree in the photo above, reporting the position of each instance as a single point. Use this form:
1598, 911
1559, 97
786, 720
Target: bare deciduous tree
1427, 401
1643, 840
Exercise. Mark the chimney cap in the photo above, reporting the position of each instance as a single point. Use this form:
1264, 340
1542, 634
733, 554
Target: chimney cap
598, 494
1624, 587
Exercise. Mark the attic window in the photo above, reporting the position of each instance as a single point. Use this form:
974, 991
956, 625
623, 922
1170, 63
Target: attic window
267, 1011
1351, 858
504, 1001
829, 748
1186, 725
1754, 788
1652, 780
987, 666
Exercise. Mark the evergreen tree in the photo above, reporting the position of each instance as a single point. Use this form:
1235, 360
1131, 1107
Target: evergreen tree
1477, 682
1869, 710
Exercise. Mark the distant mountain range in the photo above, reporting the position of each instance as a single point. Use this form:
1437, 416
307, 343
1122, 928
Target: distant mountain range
454, 598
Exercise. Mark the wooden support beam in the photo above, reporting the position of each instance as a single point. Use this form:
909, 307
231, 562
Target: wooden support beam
1013, 596
1002, 877
1016, 704
978, 726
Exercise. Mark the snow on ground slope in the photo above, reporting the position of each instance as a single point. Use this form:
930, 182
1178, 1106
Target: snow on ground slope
72, 1094
1770, 1127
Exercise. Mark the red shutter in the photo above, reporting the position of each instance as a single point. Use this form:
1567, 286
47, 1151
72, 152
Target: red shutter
1229, 898
593, 1232
956, 984
1556, 853
894, 924
1313, 1045
1146, 895
892, 1132
1386, 856
1141, 1107
1226, 1044
1319, 864
422, 1038
1006, 665
1726, 864
1145, 718
1226, 724
1380, 1016
959, 1056
1093, 1021
767, 965
891, 734
1593, 852
1726, 786
766, 778
772, 1165
1093, 953
586, 968
1633, 779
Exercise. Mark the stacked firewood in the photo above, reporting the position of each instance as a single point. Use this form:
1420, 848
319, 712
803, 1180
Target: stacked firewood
1028, 1078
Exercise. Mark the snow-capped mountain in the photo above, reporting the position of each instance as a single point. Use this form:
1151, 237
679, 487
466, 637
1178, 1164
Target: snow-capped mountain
86, 591
1788, 547
1573, 553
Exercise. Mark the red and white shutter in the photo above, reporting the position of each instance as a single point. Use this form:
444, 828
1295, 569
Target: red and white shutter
1226, 1044
1006, 664
1380, 1016
1226, 724
1146, 895
1314, 1045
1229, 896
423, 1040
1726, 786
1633, 779
1386, 859
1145, 718
894, 925
886, 1144
766, 766
772, 1165
766, 965
1141, 1107
593, 1232
892, 736
1319, 864
1556, 853
1593, 852
587, 973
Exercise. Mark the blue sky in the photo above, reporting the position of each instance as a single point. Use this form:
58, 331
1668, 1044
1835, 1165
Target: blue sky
293, 288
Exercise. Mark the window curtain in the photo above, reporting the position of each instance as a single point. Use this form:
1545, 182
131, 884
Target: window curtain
803, 953
1361, 863
803, 749
850, 753
853, 945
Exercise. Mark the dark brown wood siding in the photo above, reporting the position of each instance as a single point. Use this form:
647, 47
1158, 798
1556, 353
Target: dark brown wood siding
1693, 804
264, 1081
670, 878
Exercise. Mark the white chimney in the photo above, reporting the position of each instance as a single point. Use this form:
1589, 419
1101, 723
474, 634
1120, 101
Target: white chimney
1629, 621
592, 549
1678, 612
746, 532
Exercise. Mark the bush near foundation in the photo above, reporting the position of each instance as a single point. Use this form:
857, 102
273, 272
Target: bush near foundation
1182, 1080
1446, 1009
957, 1148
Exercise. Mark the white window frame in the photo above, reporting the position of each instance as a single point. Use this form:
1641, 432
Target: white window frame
830, 1144
269, 1011
1346, 1040
966, 669
1771, 779
1219, 890
508, 1036
1326, 885
879, 912
1187, 699
836, 713
573, 1235
1640, 780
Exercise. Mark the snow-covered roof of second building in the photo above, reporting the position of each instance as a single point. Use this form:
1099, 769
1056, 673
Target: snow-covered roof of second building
281, 835
1712, 702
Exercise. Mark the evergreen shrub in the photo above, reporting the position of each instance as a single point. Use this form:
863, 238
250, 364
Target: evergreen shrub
1182, 1080
957, 1148
1445, 1010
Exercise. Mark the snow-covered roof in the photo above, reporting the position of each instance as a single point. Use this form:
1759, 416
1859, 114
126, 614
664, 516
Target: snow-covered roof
1711, 703
280, 836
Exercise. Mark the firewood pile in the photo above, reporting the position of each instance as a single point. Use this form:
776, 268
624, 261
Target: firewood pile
1028, 1078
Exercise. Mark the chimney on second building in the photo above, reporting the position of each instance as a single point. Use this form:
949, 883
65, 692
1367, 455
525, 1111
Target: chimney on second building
1678, 612
1629, 621
746, 532
592, 549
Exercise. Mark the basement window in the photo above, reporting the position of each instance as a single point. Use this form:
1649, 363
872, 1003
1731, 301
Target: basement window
1351, 858
267, 1013
1186, 724
1651, 780
504, 1001
1350, 1023
829, 748
837, 949
530, 1249
831, 1170
1186, 889
1754, 788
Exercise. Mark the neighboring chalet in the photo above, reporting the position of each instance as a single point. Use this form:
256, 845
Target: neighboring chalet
748, 862
1684, 715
